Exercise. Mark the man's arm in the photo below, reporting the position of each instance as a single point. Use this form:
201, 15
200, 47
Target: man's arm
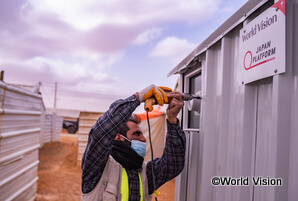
171, 163
100, 140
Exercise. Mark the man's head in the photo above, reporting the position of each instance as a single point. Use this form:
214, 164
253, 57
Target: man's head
132, 130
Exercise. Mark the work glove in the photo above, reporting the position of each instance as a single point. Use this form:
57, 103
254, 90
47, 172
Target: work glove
153, 91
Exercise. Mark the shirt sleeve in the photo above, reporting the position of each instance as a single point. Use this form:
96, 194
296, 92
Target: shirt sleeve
171, 163
100, 140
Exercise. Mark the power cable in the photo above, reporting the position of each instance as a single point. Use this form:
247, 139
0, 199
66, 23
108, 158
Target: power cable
152, 169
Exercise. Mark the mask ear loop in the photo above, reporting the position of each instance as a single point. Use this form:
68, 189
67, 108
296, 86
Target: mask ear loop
153, 177
126, 138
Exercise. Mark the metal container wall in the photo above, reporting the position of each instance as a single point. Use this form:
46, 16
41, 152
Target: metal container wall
20, 130
52, 128
42, 126
47, 136
57, 124
247, 130
86, 121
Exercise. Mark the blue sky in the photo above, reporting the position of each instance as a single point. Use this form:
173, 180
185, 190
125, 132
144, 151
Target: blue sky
100, 51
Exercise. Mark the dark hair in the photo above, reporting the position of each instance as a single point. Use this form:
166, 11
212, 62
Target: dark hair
135, 119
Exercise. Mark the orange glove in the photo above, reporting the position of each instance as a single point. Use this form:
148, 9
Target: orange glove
157, 92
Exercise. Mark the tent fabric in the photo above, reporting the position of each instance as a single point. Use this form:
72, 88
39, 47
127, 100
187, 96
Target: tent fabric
155, 113
158, 135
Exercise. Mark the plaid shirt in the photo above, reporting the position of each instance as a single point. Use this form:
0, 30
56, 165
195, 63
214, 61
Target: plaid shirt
98, 149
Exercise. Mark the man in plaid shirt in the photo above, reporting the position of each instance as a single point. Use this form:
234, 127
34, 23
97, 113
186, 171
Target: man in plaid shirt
116, 140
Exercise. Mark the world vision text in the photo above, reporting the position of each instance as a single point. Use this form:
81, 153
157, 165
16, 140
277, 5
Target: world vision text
259, 27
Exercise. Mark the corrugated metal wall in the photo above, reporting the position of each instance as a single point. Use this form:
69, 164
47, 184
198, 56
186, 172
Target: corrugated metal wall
57, 124
47, 135
52, 133
20, 127
245, 130
86, 121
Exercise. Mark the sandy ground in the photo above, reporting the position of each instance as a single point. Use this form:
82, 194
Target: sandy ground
60, 178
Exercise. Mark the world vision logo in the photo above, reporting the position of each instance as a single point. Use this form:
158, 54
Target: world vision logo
254, 30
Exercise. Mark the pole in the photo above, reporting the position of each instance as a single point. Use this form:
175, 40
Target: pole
2, 76
54, 134
55, 97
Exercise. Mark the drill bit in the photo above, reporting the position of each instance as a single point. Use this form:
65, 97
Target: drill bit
188, 97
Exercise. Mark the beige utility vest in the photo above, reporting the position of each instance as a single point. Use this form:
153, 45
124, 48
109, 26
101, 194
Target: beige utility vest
108, 187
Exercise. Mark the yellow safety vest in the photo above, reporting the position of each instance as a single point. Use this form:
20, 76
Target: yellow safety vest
125, 187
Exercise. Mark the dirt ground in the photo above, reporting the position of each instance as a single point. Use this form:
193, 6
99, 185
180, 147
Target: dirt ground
60, 178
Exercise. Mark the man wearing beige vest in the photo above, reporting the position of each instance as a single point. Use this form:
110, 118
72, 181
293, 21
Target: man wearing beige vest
112, 165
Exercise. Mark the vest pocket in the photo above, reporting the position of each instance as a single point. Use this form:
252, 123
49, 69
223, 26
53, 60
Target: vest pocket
110, 193
107, 196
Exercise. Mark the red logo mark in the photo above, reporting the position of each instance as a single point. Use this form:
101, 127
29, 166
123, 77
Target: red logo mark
248, 61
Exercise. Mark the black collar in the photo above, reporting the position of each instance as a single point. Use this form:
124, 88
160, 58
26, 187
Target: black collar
126, 156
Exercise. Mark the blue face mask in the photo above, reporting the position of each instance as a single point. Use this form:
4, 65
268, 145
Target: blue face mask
137, 146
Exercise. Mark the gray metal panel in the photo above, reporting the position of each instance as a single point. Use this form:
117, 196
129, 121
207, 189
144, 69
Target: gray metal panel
48, 129
58, 125
293, 164
182, 180
246, 130
265, 156
42, 126
52, 128
20, 131
194, 176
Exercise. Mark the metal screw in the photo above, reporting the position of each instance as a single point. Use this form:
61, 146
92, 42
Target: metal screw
242, 82
276, 9
275, 71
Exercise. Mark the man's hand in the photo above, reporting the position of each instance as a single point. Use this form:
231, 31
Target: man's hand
175, 104
153, 91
